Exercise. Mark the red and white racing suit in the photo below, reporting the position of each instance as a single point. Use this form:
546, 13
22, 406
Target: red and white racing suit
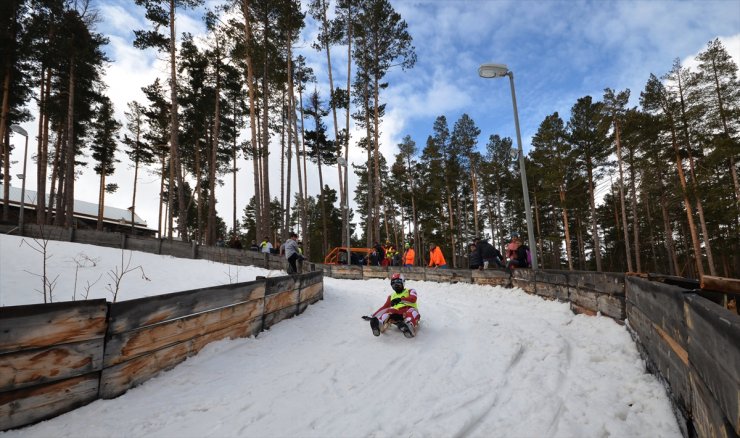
407, 307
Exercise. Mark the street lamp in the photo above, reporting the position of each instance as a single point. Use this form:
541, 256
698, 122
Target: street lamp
18, 130
490, 71
342, 162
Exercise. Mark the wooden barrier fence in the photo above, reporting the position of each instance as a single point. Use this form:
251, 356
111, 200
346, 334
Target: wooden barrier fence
57, 357
692, 343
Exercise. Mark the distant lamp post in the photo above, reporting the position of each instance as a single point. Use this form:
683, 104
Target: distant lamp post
490, 71
342, 162
18, 130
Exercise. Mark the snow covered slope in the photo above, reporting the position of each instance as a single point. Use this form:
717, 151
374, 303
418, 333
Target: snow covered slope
486, 362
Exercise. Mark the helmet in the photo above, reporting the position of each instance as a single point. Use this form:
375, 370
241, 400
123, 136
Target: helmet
397, 282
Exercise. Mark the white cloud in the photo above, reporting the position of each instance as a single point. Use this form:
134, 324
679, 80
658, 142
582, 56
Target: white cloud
558, 50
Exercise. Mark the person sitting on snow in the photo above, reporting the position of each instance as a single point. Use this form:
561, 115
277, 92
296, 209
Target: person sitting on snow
400, 308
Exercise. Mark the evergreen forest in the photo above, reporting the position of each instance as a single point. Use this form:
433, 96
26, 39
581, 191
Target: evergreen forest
647, 188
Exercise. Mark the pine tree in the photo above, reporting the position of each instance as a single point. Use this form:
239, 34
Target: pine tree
14, 74
322, 151
386, 42
587, 133
614, 108
104, 146
139, 151
656, 100
465, 139
158, 119
553, 151
162, 14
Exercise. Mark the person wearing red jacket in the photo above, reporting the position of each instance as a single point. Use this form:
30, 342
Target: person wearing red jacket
400, 308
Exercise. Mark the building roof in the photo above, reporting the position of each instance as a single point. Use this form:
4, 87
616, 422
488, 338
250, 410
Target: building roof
81, 208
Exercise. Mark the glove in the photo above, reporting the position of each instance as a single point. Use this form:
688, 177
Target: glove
395, 301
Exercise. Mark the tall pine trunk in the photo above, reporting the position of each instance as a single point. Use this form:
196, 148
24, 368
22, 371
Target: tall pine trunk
694, 182
625, 229
687, 206
345, 219
265, 156
43, 148
376, 155
5, 109
252, 119
592, 203
69, 168
161, 193
325, 23
101, 199
670, 246
211, 237
635, 223
51, 209
199, 195
566, 228
182, 220
289, 115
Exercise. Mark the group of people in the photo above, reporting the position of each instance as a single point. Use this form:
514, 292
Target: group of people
234, 242
388, 255
483, 255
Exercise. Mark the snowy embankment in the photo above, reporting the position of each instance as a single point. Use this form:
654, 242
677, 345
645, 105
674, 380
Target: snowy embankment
486, 362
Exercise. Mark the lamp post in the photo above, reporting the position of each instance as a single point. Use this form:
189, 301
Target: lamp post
490, 71
342, 162
18, 130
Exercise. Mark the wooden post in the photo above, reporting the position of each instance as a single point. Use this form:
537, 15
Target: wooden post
721, 284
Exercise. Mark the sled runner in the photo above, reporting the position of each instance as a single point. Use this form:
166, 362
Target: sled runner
377, 328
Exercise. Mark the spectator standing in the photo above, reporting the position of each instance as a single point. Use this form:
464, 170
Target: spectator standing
266, 246
473, 257
409, 256
381, 253
220, 242
254, 246
489, 256
292, 253
235, 242
520, 258
436, 258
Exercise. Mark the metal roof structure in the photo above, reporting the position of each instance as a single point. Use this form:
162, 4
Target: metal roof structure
82, 209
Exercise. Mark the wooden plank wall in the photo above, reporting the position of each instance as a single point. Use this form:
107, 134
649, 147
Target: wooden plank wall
688, 340
694, 344
50, 359
714, 356
153, 334
57, 357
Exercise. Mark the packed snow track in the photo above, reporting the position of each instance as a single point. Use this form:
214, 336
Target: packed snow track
486, 362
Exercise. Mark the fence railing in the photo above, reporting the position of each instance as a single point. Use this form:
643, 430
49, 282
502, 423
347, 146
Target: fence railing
57, 357
692, 343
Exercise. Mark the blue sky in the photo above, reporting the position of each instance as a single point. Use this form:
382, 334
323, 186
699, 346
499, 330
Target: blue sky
559, 51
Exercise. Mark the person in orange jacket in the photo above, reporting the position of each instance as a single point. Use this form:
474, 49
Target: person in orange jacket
436, 259
408, 256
